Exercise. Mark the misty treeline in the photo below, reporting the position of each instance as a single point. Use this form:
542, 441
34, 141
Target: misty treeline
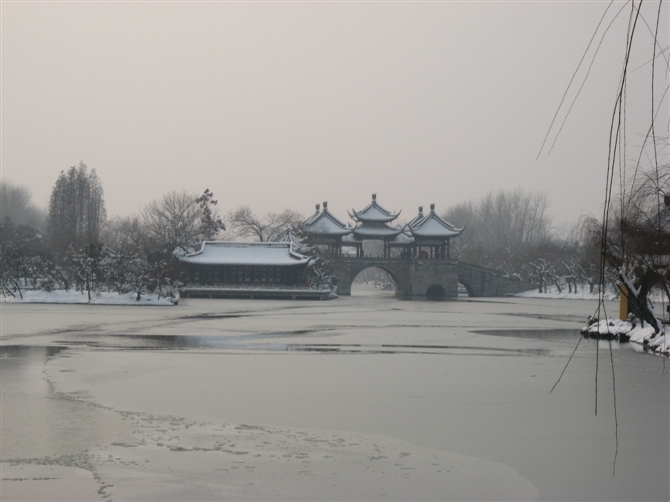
511, 231
74, 246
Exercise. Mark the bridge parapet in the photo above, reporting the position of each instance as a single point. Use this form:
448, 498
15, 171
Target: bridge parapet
484, 281
422, 279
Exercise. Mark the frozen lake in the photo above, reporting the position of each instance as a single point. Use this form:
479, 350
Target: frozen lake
360, 398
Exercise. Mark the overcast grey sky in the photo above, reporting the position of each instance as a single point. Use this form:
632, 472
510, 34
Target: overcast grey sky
280, 105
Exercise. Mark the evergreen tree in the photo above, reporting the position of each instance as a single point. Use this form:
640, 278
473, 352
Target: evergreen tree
76, 209
211, 225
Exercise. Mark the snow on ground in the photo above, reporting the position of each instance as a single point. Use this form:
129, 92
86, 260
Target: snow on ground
656, 296
582, 294
637, 332
98, 298
640, 333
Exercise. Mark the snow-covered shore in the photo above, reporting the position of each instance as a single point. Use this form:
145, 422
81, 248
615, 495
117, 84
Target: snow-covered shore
640, 333
581, 294
98, 298
634, 332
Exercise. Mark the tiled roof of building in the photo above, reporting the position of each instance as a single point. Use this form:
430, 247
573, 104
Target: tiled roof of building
246, 253
433, 226
373, 213
376, 231
325, 223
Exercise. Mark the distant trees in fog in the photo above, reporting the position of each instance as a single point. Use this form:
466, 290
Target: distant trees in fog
512, 232
82, 250
16, 203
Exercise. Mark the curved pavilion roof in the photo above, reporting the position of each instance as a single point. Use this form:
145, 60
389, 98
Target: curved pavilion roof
373, 223
376, 231
324, 223
402, 239
420, 216
433, 226
373, 213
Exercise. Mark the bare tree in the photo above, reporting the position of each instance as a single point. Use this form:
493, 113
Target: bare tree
503, 229
172, 221
271, 227
124, 235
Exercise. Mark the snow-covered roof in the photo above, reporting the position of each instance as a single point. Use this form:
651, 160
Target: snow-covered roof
433, 226
376, 231
351, 239
420, 216
298, 246
246, 253
402, 239
373, 213
314, 216
325, 223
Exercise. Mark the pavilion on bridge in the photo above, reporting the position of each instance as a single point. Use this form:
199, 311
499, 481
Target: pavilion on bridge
425, 236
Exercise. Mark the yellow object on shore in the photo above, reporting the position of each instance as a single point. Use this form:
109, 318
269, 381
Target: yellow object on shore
623, 303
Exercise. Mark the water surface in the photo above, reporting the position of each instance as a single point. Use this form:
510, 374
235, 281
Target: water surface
359, 398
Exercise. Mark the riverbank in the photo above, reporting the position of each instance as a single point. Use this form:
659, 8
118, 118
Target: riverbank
583, 293
637, 332
79, 297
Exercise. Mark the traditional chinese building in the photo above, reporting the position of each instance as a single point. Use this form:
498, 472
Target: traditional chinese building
323, 228
425, 236
372, 222
247, 270
432, 235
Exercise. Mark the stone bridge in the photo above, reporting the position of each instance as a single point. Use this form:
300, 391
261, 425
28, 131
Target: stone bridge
424, 279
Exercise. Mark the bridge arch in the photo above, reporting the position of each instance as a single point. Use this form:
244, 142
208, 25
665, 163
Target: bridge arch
346, 272
393, 274
413, 277
472, 292
380, 274
435, 292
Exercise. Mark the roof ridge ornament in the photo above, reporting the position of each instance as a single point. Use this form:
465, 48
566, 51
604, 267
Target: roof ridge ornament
432, 207
374, 196
325, 205
318, 207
